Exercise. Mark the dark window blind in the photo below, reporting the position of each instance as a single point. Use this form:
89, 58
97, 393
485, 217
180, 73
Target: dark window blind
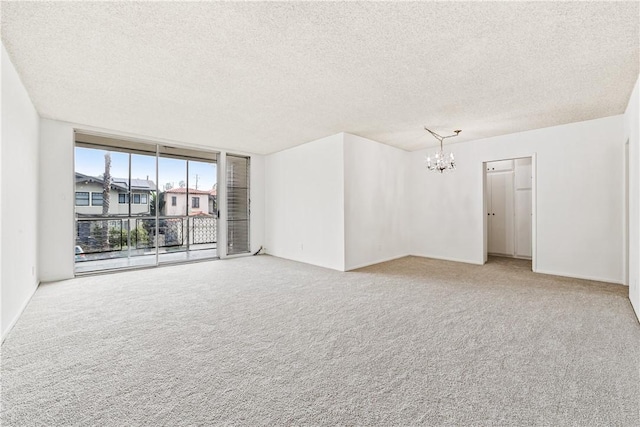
238, 208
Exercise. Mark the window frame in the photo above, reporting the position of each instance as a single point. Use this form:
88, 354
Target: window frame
123, 216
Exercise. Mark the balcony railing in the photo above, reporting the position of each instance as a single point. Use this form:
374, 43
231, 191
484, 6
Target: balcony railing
99, 234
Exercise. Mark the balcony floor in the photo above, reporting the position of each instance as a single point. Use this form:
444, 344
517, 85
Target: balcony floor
146, 260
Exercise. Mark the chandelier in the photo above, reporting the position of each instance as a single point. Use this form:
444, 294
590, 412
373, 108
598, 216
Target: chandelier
441, 161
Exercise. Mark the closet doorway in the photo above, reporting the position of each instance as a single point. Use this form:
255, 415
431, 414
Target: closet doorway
509, 214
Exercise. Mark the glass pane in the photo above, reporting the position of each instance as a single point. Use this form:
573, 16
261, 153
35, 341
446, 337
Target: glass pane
108, 234
101, 236
202, 187
92, 165
143, 176
142, 224
172, 202
172, 176
203, 220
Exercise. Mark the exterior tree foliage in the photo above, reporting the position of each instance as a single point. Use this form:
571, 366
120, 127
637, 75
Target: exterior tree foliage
106, 190
106, 184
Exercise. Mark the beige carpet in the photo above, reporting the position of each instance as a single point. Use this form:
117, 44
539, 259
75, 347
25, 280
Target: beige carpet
265, 341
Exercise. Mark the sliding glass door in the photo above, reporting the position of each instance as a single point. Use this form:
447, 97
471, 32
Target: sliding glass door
113, 195
188, 223
124, 219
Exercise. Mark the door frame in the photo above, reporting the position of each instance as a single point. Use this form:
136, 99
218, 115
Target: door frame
626, 215
534, 209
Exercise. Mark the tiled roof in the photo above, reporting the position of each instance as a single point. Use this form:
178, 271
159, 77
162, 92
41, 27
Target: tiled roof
80, 177
136, 184
121, 183
182, 190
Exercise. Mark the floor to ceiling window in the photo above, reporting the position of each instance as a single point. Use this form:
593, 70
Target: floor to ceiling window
188, 223
142, 204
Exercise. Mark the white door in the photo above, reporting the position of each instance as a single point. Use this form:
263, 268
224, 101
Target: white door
501, 213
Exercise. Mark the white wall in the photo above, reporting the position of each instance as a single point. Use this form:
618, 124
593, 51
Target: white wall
579, 202
2, 329
446, 214
375, 201
339, 202
632, 133
304, 202
56, 233
257, 193
19, 194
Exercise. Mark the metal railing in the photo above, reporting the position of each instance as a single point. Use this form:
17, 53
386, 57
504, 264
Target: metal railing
100, 235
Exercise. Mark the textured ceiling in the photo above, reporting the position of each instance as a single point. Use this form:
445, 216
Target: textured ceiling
261, 77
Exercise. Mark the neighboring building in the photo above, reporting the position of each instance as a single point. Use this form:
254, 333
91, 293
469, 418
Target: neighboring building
200, 202
89, 197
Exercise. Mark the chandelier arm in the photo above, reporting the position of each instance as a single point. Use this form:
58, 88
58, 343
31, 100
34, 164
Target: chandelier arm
441, 164
436, 136
440, 138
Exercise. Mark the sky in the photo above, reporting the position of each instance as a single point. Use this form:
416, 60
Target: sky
90, 162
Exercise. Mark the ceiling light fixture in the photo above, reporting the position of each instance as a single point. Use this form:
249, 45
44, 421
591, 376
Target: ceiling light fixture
441, 162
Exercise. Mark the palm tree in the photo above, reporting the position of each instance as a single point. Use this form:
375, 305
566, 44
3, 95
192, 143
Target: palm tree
106, 190
106, 183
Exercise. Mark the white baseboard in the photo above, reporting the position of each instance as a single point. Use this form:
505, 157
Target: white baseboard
465, 261
367, 264
578, 276
528, 258
15, 319
635, 309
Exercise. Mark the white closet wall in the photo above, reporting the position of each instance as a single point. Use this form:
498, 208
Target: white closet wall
509, 207
522, 201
